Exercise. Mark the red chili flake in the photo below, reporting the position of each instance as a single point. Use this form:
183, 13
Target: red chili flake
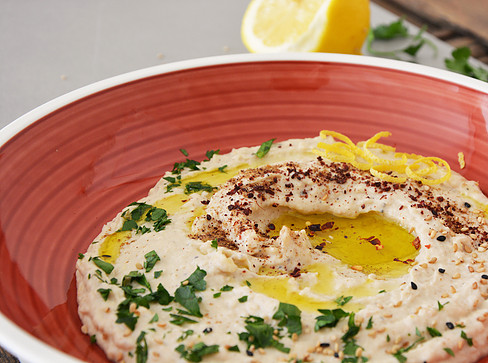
427, 246
375, 242
416, 243
327, 225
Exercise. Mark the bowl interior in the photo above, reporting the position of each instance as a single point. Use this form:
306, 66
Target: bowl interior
67, 174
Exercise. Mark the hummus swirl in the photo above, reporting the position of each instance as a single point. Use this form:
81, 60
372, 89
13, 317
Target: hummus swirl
179, 275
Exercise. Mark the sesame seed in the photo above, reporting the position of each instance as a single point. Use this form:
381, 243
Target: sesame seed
484, 277
453, 289
455, 247
467, 205
470, 269
450, 325
357, 268
433, 260
441, 270
475, 285
139, 266
441, 238
413, 285
456, 276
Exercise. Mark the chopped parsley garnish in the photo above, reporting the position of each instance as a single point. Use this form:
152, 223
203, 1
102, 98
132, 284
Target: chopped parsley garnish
440, 306
370, 323
195, 187
261, 335
173, 182
222, 168
157, 274
210, 153
185, 335
460, 63
217, 294
465, 337
157, 216
343, 300
180, 319
329, 318
242, 299
81, 256
154, 319
434, 332
124, 316
234, 348
248, 283
197, 352
449, 351
352, 330
214, 244
136, 276
105, 293
399, 353
264, 148
226, 288
141, 348
105, 266
184, 152
93, 339
151, 259
185, 294
397, 30
289, 317
188, 164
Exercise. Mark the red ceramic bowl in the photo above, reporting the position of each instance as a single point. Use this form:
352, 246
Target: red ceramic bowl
67, 167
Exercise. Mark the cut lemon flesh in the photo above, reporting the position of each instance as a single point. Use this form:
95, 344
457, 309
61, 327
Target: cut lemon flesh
333, 26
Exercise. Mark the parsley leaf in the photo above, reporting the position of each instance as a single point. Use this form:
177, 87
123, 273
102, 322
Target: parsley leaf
260, 334
151, 259
104, 293
136, 276
329, 318
141, 348
196, 279
173, 182
105, 266
370, 323
197, 352
289, 316
434, 332
154, 319
210, 153
188, 164
440, 306
242, 299
214, 244
264, 148
196, 186
343, 300
390, 31
226, 288
352, 330
184, 152
449, 351
185, 296
180, 319
185, 335
465, 337
460, 64
124, 316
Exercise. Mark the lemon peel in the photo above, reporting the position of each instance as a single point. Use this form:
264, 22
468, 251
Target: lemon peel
396, 170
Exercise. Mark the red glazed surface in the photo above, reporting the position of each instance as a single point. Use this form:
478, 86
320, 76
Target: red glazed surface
67, 174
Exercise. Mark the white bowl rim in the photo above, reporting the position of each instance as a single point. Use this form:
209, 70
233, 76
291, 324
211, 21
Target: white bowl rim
31, 349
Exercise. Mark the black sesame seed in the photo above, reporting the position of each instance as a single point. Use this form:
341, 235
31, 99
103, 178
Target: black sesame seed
207, 330
441, 238
467, 205
450, 325
441, 270
271, 226
324, 345
249, 353
336, 355
314, 227
485, 277
414, 285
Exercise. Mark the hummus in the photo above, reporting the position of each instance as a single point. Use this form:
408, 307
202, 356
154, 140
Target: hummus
259, 256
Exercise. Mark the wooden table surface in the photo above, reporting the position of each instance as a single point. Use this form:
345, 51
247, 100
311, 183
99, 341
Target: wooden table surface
459, 23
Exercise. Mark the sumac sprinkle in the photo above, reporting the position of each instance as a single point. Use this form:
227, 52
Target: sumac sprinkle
314, 227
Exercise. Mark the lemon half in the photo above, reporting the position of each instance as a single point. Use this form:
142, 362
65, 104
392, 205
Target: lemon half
332, 26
